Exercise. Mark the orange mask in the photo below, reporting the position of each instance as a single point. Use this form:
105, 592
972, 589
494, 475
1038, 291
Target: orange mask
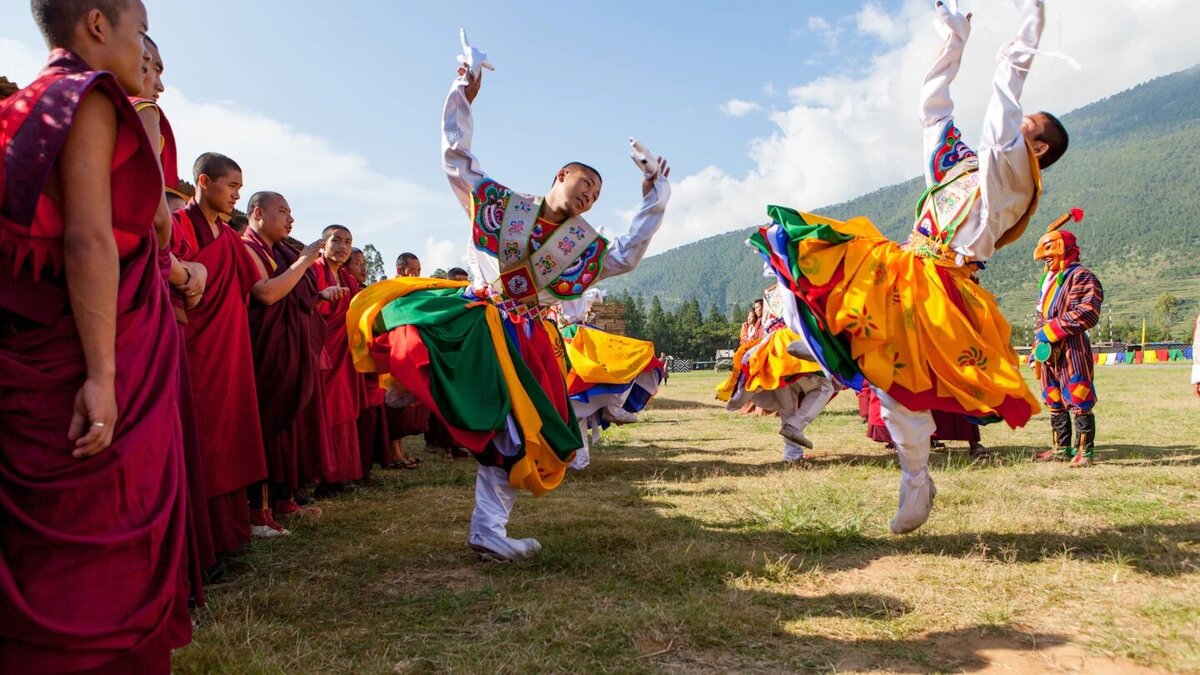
1058, 249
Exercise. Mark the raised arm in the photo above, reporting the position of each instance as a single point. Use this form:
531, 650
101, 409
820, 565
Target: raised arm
625, 252
942, 140
269, 290
1002, 124
462, 168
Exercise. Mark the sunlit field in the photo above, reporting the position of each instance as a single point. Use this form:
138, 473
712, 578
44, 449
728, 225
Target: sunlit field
688, 546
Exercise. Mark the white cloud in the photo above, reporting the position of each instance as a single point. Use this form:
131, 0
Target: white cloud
826, 32
769, 90
874, 20
847, 134
323, 184
19, 64
739, 108
442, 253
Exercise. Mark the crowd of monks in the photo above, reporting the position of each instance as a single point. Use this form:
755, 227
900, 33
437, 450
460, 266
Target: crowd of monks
134, 450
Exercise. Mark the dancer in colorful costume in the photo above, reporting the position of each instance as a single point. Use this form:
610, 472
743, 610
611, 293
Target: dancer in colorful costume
766, 375
1069, 307
908, 318
483, 358
1196, 359
610, 378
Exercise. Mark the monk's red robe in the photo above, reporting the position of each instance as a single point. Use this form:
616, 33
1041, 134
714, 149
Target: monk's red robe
374, 438
168, 154
168, 157
408, 421
344, 388
286, 373
93, 574
202, 555
226, 401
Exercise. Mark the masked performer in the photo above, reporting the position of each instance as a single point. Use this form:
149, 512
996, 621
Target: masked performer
1069, 307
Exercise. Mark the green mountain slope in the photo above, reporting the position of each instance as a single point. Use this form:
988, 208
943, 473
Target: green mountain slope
1133, 166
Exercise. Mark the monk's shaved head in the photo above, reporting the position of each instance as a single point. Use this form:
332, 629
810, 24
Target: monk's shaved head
57, 18
580, 166
262, 200
329, 230
214, 165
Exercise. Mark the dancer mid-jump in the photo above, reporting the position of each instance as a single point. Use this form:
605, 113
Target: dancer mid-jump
909, 319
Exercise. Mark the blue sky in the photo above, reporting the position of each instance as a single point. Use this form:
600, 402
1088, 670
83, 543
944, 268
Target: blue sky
337, 104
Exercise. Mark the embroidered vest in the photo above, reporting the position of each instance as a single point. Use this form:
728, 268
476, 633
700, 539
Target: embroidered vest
943, 208
534, 255
773, 307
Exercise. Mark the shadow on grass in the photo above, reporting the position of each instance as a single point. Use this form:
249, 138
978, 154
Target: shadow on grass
1148, 455
961, 650
661, 403
1164, 550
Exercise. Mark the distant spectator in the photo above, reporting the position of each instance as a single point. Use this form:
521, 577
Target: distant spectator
357, 266
239, 224
408, 265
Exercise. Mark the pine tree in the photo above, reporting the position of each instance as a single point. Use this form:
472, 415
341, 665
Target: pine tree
631, 313
658, 329
375, 269
689, 322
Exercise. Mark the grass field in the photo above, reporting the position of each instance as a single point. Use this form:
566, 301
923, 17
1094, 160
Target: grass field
687, 546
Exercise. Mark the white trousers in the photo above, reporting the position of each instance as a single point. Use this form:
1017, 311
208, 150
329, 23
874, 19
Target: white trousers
798, 404
494, 499
911, 431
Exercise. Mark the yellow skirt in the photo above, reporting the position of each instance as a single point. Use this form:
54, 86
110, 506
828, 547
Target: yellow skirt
913, 325
769, 367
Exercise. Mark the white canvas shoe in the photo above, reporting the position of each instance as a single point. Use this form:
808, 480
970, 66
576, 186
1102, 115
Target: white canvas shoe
618, 415
268, 531
503, 549
916, 501
582, 459
531, 547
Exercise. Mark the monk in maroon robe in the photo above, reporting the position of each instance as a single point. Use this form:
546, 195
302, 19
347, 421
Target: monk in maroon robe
187, 280
93, 499
374, 439
218, 347
286, 365
344, 388
412, 419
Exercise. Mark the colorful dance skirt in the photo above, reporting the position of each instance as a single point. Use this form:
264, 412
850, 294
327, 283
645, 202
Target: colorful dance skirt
765, 365
607, 368
496, 382
909, 322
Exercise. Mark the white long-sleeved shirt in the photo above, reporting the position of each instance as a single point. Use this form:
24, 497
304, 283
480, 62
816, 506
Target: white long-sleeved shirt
576, 311
1006, 182
1196, 353
462, 168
